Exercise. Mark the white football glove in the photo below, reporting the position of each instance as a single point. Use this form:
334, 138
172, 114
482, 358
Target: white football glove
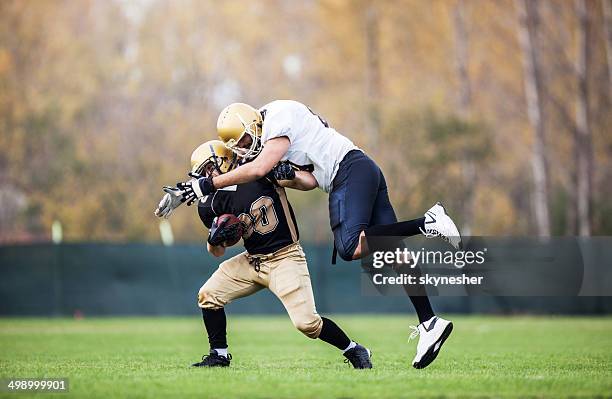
169, 202
189, 192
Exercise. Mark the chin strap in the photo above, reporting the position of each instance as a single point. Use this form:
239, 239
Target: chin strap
215, 159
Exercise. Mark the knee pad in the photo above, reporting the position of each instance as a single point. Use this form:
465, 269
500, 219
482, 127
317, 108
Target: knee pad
207, 301
310, 327
346, 251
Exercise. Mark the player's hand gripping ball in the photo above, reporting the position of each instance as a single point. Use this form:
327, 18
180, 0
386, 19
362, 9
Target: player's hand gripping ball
226, 231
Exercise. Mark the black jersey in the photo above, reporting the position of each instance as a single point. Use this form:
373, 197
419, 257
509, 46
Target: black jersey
264, 208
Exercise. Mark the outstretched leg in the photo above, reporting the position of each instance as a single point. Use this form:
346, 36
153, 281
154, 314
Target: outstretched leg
383, 215
360, 202
359, 192
432, 330
360, 206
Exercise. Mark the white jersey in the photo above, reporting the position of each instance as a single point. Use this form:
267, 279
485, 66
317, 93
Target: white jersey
312, 141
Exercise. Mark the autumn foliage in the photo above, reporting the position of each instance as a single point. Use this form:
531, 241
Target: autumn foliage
102, 102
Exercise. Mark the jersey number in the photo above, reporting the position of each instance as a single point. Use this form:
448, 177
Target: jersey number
323, 121
264, 215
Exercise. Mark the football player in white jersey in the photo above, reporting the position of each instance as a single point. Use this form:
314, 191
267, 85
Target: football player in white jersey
359, 205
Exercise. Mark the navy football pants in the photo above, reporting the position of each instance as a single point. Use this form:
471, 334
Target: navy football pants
358, 199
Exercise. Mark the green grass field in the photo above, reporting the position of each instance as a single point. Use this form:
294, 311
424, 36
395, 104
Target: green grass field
148, 357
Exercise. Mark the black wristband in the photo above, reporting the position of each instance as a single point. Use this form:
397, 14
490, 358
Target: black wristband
206, 185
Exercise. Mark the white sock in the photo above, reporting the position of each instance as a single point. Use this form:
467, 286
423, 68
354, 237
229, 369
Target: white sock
221, 352
351, 346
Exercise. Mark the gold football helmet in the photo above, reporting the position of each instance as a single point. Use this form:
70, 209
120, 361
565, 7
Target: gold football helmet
212, 155
236, 121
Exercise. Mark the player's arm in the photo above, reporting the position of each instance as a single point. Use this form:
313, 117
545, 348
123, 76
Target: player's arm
303, 181
215, 250
207, 216
270, 155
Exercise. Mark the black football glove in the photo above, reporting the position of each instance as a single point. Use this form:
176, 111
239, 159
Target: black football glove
223, 234
283, 171
196, 188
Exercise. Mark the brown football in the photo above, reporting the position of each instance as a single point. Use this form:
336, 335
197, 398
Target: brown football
227, 230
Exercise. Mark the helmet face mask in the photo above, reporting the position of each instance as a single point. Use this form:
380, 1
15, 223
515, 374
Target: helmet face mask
209, 167
212, 156
239, 126
248, 146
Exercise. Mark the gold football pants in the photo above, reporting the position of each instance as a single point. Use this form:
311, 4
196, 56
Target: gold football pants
283, 272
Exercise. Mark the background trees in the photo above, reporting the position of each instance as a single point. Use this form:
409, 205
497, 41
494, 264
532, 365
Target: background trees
101, 103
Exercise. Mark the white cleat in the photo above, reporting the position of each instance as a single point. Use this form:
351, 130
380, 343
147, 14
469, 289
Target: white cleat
432, 335
439, 224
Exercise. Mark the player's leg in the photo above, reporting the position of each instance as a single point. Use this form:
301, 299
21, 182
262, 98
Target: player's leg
435, 223
351, 204
358, 202
359, 184
289, 280
384, 214
360, 199
232, 280
432, 330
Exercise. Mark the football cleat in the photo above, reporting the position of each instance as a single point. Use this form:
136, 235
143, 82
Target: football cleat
214, 360
439, 224
359, 357
432, 335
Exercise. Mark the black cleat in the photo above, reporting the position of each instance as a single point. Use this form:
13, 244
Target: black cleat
214, 360
359, 357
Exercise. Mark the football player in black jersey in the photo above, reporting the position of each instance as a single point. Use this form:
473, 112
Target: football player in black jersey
273, 258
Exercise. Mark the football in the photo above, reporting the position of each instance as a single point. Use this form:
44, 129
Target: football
226, 230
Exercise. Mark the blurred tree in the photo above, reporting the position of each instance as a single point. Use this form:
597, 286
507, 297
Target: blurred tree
607, 27
583, 140
373, 56
529, 22
102, 102
464, 108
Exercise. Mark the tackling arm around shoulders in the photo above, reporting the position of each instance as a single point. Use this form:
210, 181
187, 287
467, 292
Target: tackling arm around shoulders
270, 155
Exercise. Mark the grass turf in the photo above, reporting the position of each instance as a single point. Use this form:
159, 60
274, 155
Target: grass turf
148, 357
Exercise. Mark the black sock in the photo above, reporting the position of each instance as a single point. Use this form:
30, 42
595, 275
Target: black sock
399, 229
406, 229
416, 292
333, 335
216, 324
423, 307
